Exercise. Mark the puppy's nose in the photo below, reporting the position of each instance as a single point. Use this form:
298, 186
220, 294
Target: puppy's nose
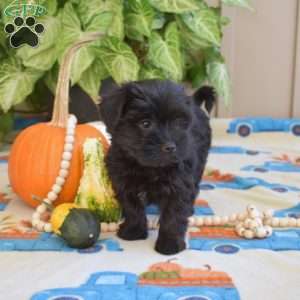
168, 147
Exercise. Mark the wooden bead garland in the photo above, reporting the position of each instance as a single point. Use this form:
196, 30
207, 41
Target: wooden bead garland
60, 179
250, 224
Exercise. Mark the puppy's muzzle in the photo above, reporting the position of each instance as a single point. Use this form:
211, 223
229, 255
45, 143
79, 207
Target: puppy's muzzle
169, 147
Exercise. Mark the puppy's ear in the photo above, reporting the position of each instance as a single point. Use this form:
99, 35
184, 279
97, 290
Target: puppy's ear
206, 95
112, 106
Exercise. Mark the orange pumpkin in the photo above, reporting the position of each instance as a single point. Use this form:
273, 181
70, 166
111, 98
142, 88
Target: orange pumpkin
167, 266
34, 161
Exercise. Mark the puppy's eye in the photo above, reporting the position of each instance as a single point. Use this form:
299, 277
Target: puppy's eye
145, 124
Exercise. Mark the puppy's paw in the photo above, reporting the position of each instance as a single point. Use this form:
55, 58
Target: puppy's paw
132, 233
169, 246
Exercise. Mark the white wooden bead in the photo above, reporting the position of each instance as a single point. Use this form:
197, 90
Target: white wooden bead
298, 222
41, 208
269, 231
253, 224
68, 147
104, 227
112, 227
36, 216
72, 119
248, 234
292, 222
260, 232
242, 216
199, 221
275, 222
254, 214
191, 221
216, 220
268, 213
59, 181
52, 196
268, 222
258, 221
56, 188
63, 173
70, 130
251, 207
48, 227
239, 226
283, 222
233, 218
247, 223
69, 139
224, 220
40, 226
208, 221
67, 156
65, 164
35, 222
241, 231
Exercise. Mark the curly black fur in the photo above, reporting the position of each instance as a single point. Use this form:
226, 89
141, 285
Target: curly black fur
160, 143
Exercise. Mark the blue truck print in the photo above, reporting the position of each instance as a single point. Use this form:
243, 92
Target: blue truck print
176, 283
245, 126
234, 150
225, 240
245, 183
50, 242
277, 166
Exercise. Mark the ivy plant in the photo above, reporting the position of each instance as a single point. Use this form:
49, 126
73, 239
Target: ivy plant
167, 39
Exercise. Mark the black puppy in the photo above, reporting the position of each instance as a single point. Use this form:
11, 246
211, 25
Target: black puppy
160, 143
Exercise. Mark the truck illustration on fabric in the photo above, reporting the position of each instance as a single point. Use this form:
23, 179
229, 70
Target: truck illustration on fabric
215, 180
293, 212
245, 126
201, 208
162, 281
278, 166
234, 150
224, 239
16, 240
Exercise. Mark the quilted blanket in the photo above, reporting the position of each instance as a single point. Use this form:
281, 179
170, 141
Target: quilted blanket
257, 166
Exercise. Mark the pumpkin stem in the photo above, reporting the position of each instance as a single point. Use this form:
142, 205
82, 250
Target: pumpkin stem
61, 103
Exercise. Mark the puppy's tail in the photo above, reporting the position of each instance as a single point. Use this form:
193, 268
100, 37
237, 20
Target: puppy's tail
206, 95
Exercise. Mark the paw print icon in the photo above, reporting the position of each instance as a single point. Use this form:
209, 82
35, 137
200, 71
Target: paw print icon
24, 32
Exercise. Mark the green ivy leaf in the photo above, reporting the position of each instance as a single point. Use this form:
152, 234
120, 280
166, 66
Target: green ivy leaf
91, 79
50, 5
205, 24
44, 56
72, 32
240, 3
16, 82
95, 15
117, 26
151, 72
218, 76
165, 53
159, 21
197, 75
118, 59
138, 19
175, 6
192, 42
